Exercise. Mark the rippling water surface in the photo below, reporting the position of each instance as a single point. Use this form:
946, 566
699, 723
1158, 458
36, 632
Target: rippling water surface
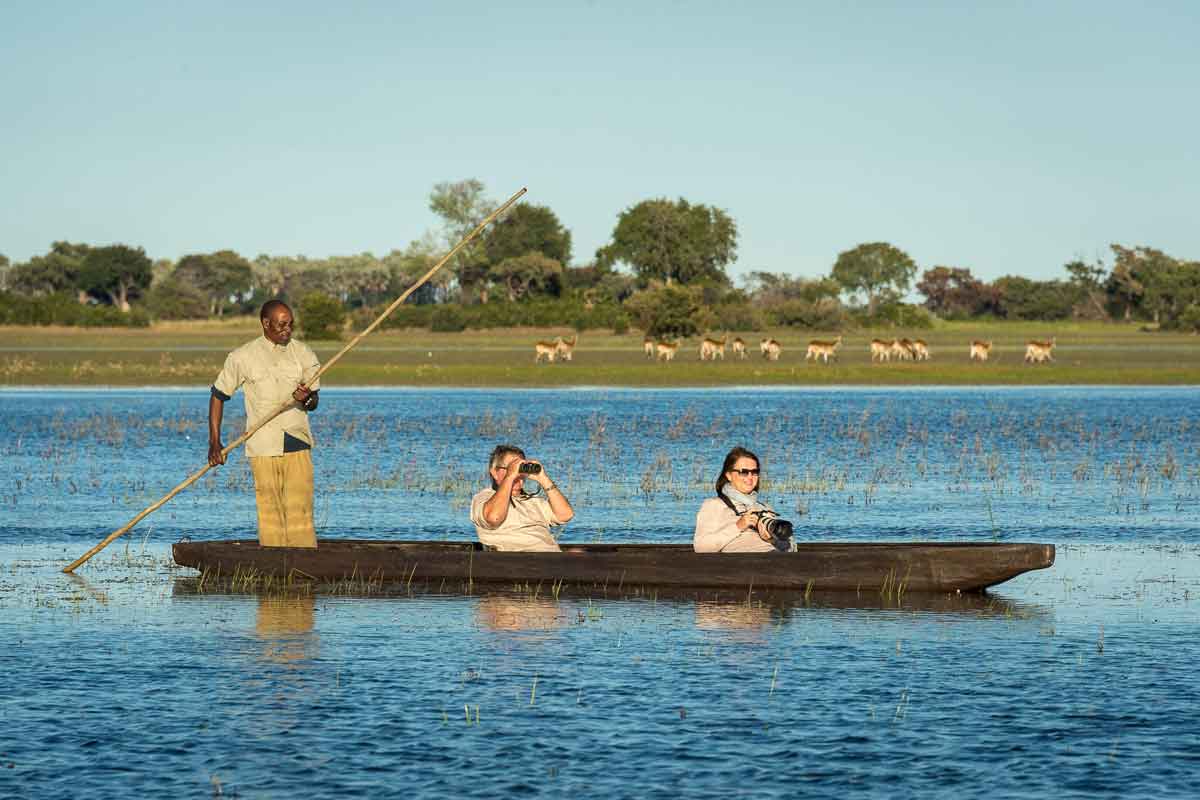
1075, 681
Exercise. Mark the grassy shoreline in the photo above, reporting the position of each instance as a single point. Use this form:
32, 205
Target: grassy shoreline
189, 354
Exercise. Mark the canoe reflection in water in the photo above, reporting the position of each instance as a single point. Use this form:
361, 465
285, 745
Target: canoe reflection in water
745, 622
284, 625
502, 613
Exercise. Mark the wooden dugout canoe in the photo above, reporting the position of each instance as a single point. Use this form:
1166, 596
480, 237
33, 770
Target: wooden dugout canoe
886, 567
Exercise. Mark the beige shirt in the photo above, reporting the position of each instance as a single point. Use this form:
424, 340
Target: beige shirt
268, 373
525, 529
717, 531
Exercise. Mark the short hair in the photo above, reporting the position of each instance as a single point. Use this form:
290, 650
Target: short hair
270, 306
731, 458
498, 453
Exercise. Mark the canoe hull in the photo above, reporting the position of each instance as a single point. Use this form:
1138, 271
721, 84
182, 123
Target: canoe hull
891, 567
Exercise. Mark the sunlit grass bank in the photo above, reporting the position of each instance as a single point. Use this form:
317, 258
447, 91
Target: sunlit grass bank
192, 353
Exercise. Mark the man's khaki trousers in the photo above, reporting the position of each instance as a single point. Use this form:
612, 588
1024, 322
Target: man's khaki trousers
283, 487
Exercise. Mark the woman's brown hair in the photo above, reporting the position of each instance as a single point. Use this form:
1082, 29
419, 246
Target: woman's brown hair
730, 460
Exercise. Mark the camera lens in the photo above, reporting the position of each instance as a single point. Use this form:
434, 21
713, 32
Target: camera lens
779, 528
530, 469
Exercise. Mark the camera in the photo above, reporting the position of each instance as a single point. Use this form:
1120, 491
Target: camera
531, 469
777, 528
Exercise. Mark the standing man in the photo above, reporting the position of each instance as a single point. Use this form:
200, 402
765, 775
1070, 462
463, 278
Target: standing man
272, 370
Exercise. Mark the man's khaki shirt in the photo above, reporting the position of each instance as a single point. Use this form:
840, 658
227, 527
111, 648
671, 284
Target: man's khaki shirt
526, 528
268, 373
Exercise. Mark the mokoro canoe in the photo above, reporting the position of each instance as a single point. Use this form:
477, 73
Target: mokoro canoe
888, 567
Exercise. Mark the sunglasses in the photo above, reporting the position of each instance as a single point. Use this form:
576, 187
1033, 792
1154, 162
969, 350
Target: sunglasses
744, 472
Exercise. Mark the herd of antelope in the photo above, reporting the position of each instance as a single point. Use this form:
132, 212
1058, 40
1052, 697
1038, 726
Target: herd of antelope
882, 350
899, 349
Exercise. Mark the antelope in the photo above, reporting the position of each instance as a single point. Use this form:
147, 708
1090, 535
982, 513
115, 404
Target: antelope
819, 349
665, 351
711, 349
1039, 352
980, 350
899, 349
881, 350
739, 348
771, 349
564, 349
920, 350
546, 350
648, 347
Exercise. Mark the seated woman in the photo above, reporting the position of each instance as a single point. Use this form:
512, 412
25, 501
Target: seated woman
736, 521
509, 519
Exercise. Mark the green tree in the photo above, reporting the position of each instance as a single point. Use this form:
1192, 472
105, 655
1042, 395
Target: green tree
673, 242
220, 277
359, 280
1088, 280
4, 268
405, 267
1124, 283
57, 271
878, 270
321, 316
532, 273
1022, 298
1164, 286
462, 205
528, 229
594, 283
954, 293
769, 289
1189, 320
788, 300
117, 272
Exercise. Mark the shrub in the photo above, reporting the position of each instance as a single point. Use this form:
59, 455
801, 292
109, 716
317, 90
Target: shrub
668, 311
541, 313
897, 315
1189, 320
742, 316
825, 314
63, 308
173, 299
448, 319
321, 316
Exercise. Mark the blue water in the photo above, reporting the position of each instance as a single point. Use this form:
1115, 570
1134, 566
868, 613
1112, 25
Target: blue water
1075, 681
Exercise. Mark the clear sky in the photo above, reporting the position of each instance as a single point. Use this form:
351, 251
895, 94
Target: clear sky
1009, 138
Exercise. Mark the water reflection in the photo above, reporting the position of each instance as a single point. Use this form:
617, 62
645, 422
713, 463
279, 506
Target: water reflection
284, 625
745, 622
503, 613
97, 594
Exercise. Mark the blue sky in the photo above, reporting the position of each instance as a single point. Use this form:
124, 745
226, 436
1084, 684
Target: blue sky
1009, 138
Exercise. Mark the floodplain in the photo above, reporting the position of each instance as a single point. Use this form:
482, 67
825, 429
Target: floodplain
190, 353
1075, 681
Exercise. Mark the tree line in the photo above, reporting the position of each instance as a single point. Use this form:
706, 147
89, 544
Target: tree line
663, 271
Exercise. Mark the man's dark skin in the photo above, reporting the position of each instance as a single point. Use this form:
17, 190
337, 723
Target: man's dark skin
277, 327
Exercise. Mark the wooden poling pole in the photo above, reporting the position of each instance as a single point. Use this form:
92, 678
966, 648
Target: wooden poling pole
195, 476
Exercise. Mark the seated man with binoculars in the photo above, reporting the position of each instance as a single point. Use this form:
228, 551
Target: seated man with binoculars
509, 519
736, 521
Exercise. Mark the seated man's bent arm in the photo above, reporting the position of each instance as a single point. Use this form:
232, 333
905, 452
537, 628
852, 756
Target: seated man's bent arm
560, 507
495, 510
